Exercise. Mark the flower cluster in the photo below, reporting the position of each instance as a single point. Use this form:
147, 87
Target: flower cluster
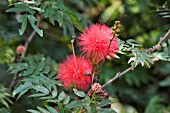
72, 72
98, 42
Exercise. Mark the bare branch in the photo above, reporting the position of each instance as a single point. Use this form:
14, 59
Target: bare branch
156, 47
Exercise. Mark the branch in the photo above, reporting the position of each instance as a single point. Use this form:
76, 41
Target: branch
14, 80
27, 41
156, 47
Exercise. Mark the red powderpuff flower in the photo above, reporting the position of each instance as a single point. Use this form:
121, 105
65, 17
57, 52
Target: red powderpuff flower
95, 41
72, 72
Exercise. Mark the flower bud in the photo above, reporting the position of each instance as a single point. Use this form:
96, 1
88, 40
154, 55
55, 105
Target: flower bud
20, 49
97, 88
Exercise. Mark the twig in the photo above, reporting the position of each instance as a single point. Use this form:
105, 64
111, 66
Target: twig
156, 47
14, 80
31, 36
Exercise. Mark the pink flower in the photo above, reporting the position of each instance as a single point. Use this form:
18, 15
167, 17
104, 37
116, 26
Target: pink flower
94, 41
72, 72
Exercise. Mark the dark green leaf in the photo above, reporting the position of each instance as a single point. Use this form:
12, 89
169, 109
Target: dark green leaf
37, 95
41, 89
21, 88
22, 92
32, 21
61, 109
106, 110
47, 69
16, 9
71, 16
42, 110
33, 111
51, 109
54, 93
104, 103
61, 96
23, 20
29, 71
66, 100
74, 104
79, 93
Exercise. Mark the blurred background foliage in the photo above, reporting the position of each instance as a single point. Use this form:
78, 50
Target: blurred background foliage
143, 90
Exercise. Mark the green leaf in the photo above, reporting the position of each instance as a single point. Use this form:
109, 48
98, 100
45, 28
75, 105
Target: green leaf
61, 96
23, 20
53, 72
106, 110
41, 89
104, 103
33, 111
59, 17
37, 95
47, 69
29, 71
31, 61
36, 8
54, 93
61, 109
79, 93
74, 104
21, 88
36, 72
4, 102
16, 9
22, 92
32, 21
41, 65
42, 110
71, 16
46, 98
165, 82
133, 43
51, 109
66, 100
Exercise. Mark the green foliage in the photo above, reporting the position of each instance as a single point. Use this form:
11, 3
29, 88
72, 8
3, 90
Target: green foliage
140, 56
42, 110
52, 10
5, 99
7, 55
36, 75
154, 105
164, 11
